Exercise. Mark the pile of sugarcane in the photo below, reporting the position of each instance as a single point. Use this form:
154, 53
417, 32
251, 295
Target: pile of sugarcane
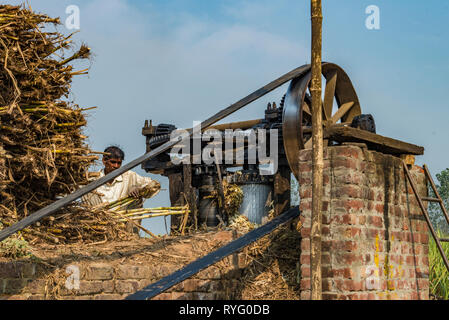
43, 153
78, 224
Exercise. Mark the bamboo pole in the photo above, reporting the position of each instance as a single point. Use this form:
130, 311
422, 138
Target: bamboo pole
317, 150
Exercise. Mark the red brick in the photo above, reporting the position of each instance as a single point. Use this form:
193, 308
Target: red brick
305, 155
348, 152
305, 232
325, 206
354, 205
305, 259
325, 258
133, 272
347, 258
424, 238
327, 285
163, 296
375, 221
306, 295
126, 286
305, 271
379, 208
423, 284
90, 287
305, 193
98, 271
305, 245
180, 296
345, 163
14, 286
305, 167
362, 220
10, 270
203, 296
346, 273
305, 284
36, 286
305, 206
212, 272
326, 271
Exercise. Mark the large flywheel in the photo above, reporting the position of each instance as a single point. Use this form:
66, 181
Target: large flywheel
297, 109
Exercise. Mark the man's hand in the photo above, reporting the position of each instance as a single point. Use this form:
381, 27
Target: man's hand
134, 192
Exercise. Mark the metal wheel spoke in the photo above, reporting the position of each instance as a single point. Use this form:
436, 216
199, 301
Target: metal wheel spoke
329, 94
308, 144
306, 108
342, 111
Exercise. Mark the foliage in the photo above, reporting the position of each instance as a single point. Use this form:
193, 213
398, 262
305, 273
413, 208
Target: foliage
294, 191
14, 247
439, 276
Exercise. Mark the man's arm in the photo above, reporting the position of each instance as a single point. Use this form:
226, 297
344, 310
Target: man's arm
143, 187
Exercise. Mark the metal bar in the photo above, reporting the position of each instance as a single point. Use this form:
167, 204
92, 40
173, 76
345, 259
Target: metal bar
430, 199
193, 268
38, 215
429, 177
426, 216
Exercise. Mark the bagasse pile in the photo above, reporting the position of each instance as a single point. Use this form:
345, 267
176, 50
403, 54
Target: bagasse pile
42, 150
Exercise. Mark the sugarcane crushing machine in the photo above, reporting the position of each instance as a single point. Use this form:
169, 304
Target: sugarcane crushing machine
290, 119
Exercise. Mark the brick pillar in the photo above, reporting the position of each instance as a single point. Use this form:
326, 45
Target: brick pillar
375, 238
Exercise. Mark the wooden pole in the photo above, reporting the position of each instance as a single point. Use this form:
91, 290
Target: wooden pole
317, 150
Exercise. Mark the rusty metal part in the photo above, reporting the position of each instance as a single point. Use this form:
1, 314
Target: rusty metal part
297, 109
237, 125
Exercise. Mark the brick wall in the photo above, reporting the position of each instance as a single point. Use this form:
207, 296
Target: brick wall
374, 237
112, 274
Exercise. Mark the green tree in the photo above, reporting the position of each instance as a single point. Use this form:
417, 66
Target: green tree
294, 187
436, 214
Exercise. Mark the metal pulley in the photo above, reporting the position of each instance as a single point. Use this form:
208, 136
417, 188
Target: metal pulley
340, 106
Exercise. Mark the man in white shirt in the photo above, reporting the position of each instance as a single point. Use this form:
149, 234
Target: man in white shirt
126, 185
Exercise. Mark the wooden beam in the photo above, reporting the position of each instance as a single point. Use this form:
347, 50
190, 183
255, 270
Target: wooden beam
317, 150
282, 190
372, 140
189, 192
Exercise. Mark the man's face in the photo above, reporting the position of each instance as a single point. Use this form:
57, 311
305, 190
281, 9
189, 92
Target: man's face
111, 164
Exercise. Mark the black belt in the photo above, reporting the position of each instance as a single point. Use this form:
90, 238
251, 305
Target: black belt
166, 283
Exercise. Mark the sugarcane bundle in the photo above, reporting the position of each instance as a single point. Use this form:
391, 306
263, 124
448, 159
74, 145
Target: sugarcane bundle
146, 213
77, 225
233, 198
43, 153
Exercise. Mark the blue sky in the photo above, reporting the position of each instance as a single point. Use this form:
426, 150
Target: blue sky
179, 61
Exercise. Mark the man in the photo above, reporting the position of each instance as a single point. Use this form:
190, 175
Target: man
129, 184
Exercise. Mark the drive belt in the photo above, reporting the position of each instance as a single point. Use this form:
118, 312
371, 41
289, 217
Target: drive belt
166, 283
38, 215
